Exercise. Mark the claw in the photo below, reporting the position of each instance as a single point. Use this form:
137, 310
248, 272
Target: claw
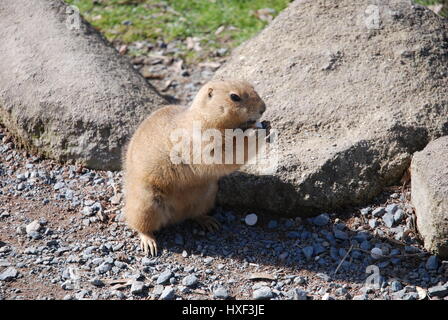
148, 244
209, 223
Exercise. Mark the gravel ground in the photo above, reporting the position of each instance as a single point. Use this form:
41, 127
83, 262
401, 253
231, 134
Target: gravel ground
62, 236
161, 65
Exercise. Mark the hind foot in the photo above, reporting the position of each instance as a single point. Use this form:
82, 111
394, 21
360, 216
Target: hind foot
208, 223
148, 243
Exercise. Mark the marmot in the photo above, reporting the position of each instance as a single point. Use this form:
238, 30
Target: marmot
159, 192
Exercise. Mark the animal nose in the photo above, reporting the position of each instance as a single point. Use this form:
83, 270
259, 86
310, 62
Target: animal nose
263, 109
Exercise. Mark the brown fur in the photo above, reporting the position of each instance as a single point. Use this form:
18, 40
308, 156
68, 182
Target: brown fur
159, 192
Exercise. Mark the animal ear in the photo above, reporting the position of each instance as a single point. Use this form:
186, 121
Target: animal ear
210, 92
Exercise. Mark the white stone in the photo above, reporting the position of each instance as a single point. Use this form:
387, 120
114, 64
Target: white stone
376, 253
251, 219
33, 226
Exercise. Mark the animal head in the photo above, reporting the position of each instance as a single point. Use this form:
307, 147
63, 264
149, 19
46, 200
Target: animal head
230, 103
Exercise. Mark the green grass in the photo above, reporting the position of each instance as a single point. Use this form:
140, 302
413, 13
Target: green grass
443, 13
428, 2
178, 19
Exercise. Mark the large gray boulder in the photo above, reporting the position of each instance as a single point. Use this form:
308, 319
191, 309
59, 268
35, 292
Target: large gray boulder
64, 91
354, 88
429, 172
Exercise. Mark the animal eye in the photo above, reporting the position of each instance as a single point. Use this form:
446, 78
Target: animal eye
235, 97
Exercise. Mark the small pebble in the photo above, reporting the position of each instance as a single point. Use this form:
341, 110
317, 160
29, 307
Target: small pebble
297, 294
262, 293
58, 185
300, 280
395, 286
341, 291
103, 268
33, 227
137, 287
438, 291
82, 294
341, 235
432, 263
158, 289
398, 215
365, 245
378, 212
8, 274
327, 296
118, 294
167, 294
391, 208
190, 280
67, 285
321, 220
183, 289
164, 277
97, 282
251, 219
323, 276
365, 211
220, 293
373, 223
376, 253
388, 219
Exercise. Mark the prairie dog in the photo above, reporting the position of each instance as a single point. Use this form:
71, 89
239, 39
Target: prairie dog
159, 192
